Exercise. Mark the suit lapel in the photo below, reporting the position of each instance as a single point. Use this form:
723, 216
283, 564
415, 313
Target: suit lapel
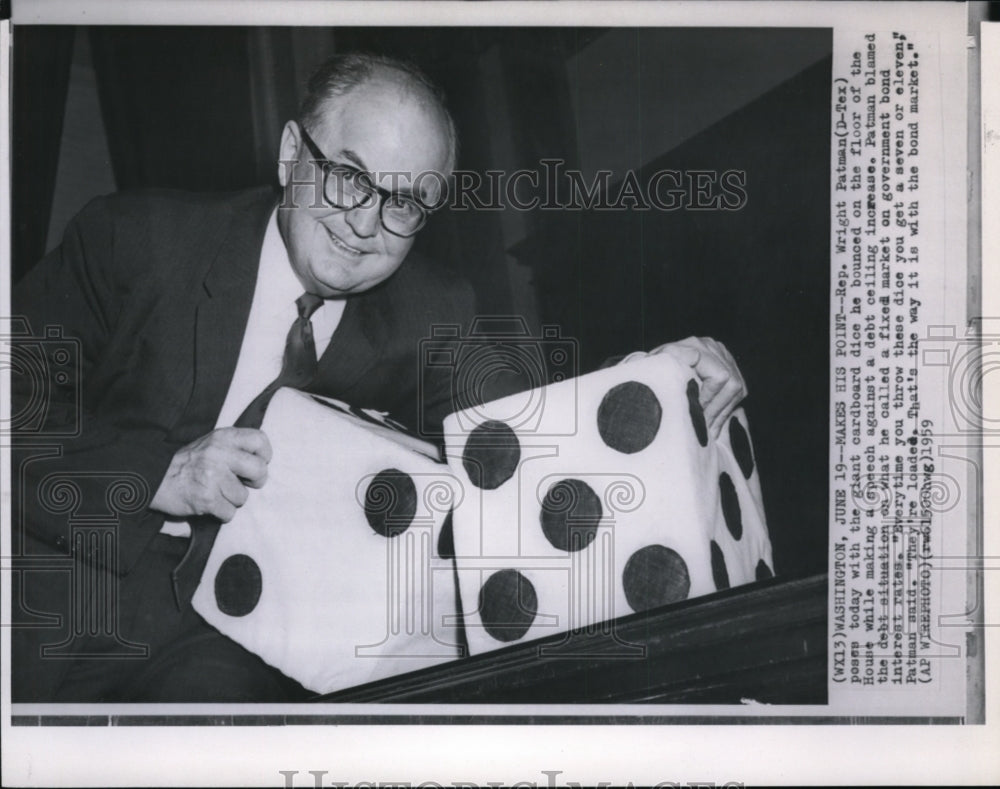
356, 345
223, 310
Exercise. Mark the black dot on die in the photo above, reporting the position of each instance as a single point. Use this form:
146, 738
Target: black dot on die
697, 415
507, 605
446, 539
390, 502
730, 506
491, 454
740, 442
237, 585
719, 573
763, 571
571, 512
655, 576
629, 417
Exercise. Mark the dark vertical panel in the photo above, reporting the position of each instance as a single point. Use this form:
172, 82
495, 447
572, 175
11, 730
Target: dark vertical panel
756, 278
84, 161
41, 63
543, 128
177, 106
273, 97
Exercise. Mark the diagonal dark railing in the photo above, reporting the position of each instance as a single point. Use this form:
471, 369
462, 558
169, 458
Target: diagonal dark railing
766, 642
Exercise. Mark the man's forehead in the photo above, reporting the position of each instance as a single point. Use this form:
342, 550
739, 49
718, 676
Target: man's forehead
383, 116
390, 99
401, 141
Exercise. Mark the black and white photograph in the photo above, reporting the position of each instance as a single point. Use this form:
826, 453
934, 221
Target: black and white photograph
586, 219
490, 374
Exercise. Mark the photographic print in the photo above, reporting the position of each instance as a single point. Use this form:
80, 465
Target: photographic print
599, 370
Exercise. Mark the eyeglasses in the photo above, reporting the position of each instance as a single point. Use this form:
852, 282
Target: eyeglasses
347, 187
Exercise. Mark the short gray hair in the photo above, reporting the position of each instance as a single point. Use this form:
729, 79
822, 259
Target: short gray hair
341, 74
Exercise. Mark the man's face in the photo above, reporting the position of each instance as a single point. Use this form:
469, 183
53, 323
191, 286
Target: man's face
376, 127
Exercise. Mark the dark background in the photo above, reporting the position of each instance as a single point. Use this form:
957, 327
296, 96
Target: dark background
100, 109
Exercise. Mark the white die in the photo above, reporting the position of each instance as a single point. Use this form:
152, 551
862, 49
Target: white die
638, 508
330, 572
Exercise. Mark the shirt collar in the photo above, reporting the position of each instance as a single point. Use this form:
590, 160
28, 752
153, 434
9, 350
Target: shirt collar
277, 278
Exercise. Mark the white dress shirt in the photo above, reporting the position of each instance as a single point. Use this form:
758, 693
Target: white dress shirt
272, 314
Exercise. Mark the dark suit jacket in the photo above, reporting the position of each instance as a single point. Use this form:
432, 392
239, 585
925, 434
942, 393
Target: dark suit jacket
156, 287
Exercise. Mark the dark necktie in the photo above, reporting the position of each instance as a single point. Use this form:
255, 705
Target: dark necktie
298, 368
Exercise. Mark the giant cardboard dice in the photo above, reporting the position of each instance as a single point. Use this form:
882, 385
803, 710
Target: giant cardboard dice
331, 571
597, 497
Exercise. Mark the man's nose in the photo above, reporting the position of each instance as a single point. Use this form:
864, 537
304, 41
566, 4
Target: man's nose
364, 219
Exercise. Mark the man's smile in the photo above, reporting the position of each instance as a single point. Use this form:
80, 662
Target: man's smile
342, 245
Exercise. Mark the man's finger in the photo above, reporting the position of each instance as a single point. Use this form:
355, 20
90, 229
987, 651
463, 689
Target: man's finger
233, 491
248, 467
633, 356
223, 510
721, 386
721, 408
725, 401
714, 377
730, 361
682, 352
249, 439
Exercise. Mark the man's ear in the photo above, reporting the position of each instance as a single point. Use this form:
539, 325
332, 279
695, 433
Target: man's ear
288, 151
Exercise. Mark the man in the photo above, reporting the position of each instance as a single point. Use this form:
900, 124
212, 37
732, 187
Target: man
182, 306
332, 253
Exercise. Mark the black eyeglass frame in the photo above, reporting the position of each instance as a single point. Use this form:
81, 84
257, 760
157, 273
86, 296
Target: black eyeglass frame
366, 185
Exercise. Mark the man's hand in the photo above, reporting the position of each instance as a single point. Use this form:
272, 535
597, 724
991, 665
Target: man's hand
210, 476
721, 388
